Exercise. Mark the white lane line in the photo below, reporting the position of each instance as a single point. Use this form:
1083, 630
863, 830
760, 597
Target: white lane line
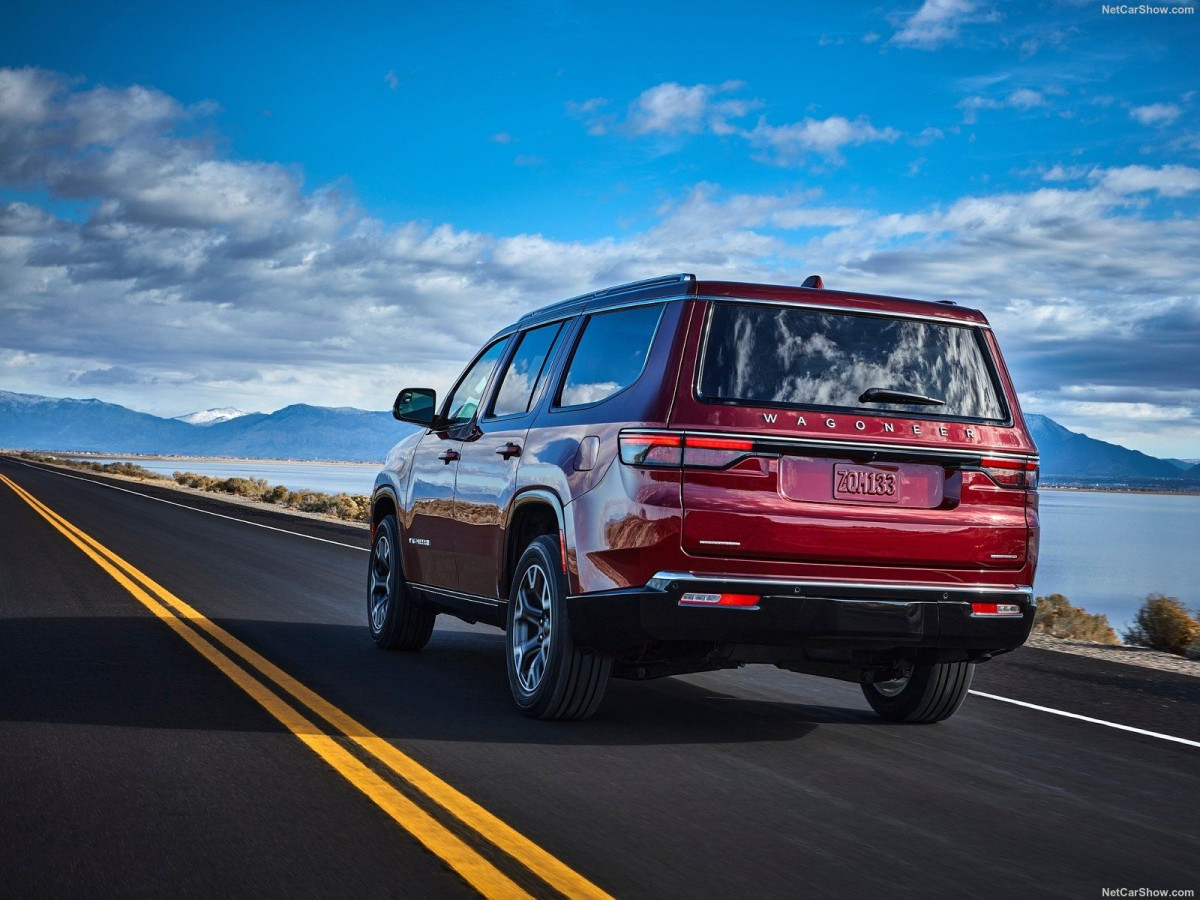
193, 508
1071, 715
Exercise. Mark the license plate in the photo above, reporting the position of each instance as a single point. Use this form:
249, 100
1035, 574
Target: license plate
865, 484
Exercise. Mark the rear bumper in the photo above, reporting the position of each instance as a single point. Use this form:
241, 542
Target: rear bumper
801, 614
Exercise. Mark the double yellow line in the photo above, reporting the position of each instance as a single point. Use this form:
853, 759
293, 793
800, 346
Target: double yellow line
221, 649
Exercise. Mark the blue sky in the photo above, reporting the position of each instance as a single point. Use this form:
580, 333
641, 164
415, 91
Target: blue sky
313, 204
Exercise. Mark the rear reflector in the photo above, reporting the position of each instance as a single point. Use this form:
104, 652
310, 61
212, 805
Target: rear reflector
745, 601
995, 609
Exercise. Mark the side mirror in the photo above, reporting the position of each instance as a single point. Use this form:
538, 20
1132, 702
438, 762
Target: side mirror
416, 405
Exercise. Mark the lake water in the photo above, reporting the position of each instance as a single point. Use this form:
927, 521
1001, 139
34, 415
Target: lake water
1104, 551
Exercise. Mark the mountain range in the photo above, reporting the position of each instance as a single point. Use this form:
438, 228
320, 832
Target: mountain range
32, 422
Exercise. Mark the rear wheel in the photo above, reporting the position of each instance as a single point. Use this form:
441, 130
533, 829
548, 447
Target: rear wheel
395, 623
548, 676
921, 693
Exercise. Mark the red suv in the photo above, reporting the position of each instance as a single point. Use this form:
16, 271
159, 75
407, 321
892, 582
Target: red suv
677, 475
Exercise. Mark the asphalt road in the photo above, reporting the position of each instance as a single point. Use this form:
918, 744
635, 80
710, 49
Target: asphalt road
130, 764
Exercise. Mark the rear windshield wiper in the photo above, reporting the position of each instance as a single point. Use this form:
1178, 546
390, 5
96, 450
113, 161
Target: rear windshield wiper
883, 395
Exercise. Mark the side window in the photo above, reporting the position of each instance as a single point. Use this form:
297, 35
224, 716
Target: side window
610, 355
464, 401
526, 370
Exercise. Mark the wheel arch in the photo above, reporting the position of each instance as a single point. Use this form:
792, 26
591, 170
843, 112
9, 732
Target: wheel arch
531, 514
383, 503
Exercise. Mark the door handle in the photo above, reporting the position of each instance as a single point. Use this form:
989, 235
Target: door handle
509, 449
448, 456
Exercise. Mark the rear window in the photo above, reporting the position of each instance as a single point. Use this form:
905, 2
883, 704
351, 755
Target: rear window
766, 355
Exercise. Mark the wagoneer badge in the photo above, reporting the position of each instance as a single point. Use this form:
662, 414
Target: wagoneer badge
968, 433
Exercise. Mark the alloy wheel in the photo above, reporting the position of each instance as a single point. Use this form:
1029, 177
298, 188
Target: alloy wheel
532, 628
381, 577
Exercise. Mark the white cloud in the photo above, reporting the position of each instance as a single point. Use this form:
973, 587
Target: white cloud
939, 22
1022, 98
927, 136
1166, 181
672, 109
1156, 113
827, 137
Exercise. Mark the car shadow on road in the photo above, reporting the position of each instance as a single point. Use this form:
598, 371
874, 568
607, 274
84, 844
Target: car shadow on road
131, 671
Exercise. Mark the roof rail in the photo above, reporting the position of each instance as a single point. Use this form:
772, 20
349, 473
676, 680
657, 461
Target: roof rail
681, 278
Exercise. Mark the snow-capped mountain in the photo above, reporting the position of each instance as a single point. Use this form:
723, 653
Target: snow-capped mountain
212, 416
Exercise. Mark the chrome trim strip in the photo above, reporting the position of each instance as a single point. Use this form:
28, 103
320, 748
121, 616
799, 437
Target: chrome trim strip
791, 583
862, 445
446, 592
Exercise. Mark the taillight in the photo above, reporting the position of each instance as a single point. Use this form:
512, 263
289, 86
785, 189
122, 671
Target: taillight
657, 449
1012, 473
643, 449
714, 453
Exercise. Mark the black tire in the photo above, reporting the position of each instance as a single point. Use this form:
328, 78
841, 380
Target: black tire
394, 621
928, 694
549, 678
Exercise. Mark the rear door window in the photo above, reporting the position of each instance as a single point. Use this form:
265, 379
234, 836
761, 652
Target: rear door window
525, 371
791, 356
610, 355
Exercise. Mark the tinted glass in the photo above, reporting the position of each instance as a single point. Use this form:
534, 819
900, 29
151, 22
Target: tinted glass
791, 356
465, 399
524, 372
610, 355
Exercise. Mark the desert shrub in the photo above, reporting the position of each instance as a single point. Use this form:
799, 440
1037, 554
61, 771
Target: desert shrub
1163, 623
129, 469
1057, 617
276, 494
356, 508
253, 488
192, 480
